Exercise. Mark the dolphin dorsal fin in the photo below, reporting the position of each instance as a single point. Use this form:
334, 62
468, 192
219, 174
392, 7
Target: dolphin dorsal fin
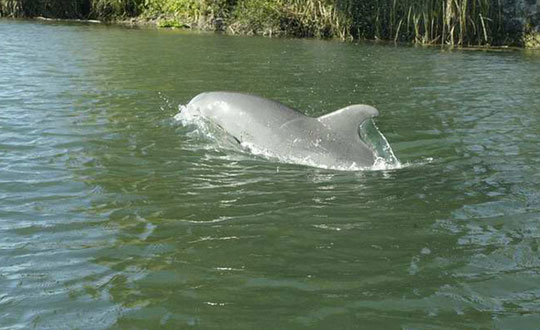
347, 120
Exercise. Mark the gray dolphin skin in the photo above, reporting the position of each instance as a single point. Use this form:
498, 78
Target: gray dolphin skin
331, 140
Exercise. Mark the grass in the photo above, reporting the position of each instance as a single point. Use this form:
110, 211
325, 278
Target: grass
305, 18
452, 22
448, 22
202, 14
108, 9
532, 40
50, 8
82, 9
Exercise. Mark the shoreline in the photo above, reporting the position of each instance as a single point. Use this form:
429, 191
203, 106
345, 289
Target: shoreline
444, 23
146, 23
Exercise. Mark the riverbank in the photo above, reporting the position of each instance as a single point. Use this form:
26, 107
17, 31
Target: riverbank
461, 23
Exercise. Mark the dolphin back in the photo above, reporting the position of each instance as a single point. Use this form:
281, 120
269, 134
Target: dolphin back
346, 121
238, 105
331, 140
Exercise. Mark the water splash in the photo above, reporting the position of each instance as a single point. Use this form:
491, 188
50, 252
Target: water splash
384, 155
385, 158
206, 129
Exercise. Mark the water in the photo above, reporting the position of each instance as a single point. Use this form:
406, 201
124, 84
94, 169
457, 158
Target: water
114, 215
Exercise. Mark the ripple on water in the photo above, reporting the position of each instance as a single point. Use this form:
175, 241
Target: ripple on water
114, 215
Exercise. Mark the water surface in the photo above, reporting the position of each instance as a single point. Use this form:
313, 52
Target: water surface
114, 215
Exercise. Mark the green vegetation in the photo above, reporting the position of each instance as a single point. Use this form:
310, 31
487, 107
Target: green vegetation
308, 18
202, 14
115, 8
54, 8
451, 22
532, 40
80, 9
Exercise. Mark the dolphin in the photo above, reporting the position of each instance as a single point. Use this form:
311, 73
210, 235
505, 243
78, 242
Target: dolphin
332, 140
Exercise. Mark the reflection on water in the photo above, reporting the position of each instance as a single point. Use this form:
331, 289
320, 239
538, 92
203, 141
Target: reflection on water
114, 215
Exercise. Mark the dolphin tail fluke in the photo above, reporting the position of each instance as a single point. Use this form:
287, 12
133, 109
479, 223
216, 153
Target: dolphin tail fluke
349, 118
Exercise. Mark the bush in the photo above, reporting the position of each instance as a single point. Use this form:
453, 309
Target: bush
110, 9
205, 14
301, 18
453, 22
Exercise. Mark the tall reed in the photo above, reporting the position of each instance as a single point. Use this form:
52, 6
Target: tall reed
11, 8
306, 18
115, 8
50, 8
452, 22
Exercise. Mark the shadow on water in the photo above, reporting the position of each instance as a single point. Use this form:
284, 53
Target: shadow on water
176, 232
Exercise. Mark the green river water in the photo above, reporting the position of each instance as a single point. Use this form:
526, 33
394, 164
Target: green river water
113, 214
